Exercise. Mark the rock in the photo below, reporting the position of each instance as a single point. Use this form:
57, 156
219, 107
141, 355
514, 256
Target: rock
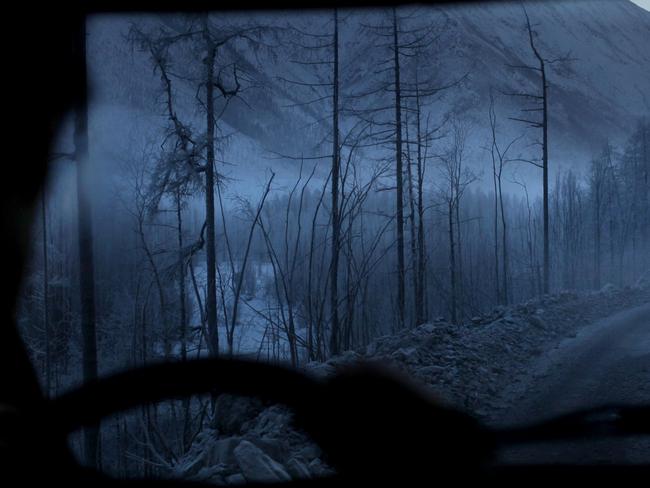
405, 354
371, 349
212, 474
235, 479
321, 370
432, 371
256, 466
608, 288
190, 469
272, 421
275, 447
427, 328
231, 412
497, 312
318, 468
310, 452
343, 360
298, 469
535, 321
201, 454
221, 451
643, 281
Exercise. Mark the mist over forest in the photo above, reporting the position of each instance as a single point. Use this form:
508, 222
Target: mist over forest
295, 187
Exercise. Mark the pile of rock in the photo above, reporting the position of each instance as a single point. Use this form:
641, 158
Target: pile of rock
465, 365
250, 442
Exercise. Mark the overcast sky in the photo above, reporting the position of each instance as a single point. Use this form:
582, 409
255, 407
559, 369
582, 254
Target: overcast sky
643, 3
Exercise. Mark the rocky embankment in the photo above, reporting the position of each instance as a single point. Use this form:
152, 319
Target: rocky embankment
468, 366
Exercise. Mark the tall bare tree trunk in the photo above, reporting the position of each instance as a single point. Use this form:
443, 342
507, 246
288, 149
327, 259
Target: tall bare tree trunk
543, 98
182, 316
452, 265
413, 241
46, 289
336, 224
545, 186
460, 302
597, 243
420, 305
399, 177
496, 231
547, 257
504, 244
645, 128
86, 264
210, 252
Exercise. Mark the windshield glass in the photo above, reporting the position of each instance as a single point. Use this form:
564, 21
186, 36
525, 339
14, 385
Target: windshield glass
459, 192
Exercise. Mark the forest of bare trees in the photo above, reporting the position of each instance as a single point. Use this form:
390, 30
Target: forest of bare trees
406, 224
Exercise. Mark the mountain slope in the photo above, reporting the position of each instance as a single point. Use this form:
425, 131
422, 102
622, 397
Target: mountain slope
598, 95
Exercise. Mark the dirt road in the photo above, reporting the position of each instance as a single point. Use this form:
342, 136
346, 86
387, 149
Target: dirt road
606, 362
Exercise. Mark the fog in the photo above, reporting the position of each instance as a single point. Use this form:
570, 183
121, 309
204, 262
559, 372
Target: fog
298, 187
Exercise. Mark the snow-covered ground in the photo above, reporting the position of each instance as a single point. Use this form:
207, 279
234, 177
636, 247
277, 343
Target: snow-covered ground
259, 332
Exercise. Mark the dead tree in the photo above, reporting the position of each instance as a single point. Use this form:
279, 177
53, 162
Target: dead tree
46, 292
361, 257
455, 178
635, 171
399, 173
199, 153
499, 156
336, 221
539, 100
418, 96
422, 145
403, 42
238, 275
326, 49
284, 265
530, 238
414, 265
86, 261
596, 183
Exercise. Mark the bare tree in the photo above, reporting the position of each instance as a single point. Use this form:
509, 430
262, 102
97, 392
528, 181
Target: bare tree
403, 41
86, 262
539, 100
336, 222
239, 274
457, 178
211, 41
327, 46
499, 157
597, 177
285, 256
46, 293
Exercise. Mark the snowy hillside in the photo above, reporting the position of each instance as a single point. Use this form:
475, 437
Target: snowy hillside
592, 97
